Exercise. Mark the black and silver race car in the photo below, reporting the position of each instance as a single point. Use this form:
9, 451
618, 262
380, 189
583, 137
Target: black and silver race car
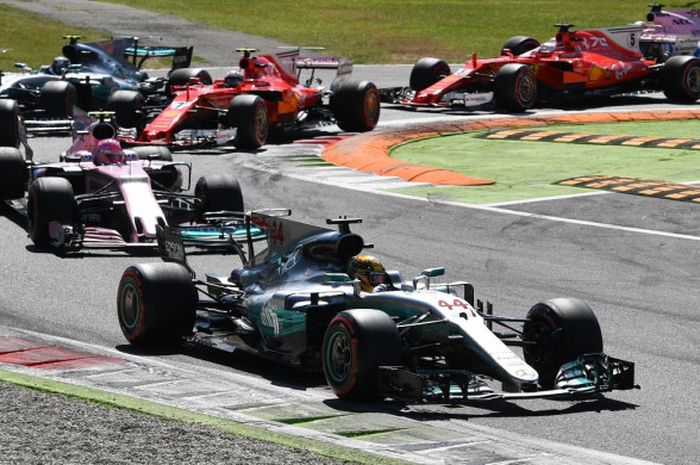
415, 341
86, 76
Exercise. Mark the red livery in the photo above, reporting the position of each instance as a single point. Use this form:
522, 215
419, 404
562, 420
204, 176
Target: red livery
583, 63
244, 105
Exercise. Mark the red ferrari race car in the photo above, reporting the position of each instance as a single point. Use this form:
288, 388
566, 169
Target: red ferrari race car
267, 92
585, 63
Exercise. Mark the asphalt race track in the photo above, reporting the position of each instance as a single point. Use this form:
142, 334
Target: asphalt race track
633, 259
639, 282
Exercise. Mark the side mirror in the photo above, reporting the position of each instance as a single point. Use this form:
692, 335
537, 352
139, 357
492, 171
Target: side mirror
336, 278
433, 272
426, 275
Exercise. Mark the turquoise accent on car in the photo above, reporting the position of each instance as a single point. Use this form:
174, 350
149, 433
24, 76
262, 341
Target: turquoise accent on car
236, 231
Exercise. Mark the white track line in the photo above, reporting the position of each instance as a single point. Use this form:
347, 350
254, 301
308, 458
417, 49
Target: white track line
549, 198
558, 219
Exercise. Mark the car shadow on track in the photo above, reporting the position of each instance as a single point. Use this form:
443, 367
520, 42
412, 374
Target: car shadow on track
277, 374
300, 380
13, 215
486, 409
572, 104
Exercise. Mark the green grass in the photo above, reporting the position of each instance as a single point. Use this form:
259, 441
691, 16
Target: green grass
401, 31
33, 39
529, 169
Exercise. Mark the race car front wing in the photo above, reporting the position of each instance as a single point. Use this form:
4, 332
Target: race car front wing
588, 374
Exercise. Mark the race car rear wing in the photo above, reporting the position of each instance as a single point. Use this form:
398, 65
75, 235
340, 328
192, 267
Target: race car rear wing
294, 63
182, 56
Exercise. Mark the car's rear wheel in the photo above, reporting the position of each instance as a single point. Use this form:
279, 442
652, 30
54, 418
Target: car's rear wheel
558, 331
515, 87
156, 304
218, 192
356, 105
680, 78
357, 342
248, 113
50, 199
13, 172
427, 71
520, 44
128, 108
153, 152
58, 98
9, 123
181, 76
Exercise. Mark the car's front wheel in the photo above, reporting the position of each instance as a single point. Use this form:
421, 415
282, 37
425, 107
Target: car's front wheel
50, 199
9, 123
13, 173
558, 331
58, 98
248, 113
218, 192
515, 87
357, 342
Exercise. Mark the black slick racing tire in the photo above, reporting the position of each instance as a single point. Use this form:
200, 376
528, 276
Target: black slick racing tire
13, 172
153, 152
181, 76
561, 329
164, 177
356, 105
248, 113
50, 199
9, 123
218, 192
520, 44
680, 78
156, 304
356, 343
127, 106
58, 98
515, 87
427, 71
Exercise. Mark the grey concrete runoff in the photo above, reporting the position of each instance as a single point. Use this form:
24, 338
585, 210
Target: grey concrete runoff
250, 401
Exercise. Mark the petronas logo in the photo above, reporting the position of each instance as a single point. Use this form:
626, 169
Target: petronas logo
268, 317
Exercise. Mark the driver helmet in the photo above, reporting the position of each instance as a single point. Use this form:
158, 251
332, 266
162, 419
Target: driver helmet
233, 79
368, 270
109, 152
59, 65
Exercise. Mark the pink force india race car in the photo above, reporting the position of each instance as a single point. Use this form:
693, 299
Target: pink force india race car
267, 91
672, 32
574, 64
99, 195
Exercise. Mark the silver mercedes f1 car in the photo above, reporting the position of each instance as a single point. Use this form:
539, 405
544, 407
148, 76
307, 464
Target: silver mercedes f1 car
414, 341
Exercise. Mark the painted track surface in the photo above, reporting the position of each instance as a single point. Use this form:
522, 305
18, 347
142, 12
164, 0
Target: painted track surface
642, 285
370, 152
